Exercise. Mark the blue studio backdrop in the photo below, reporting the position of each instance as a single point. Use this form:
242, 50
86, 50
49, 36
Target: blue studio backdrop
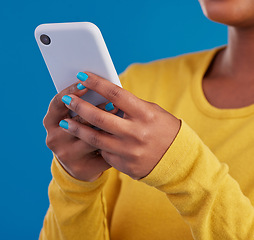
134, 31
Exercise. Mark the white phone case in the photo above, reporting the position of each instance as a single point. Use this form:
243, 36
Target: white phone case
73, 48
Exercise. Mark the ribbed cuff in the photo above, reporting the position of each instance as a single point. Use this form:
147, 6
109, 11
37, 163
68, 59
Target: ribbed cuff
70, 184
176, 161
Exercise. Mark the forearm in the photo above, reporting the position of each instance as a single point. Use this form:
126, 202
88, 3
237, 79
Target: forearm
77, 209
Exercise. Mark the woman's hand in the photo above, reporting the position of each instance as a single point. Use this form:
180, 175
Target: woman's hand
133, 144
78, 158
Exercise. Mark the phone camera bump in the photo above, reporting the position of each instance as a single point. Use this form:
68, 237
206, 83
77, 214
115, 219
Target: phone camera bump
45, 39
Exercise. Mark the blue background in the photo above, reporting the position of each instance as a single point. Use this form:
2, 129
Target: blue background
134, 31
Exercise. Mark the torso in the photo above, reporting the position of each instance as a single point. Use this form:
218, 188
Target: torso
142, 212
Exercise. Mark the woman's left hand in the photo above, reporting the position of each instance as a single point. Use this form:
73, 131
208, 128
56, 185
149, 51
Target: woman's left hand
133, 144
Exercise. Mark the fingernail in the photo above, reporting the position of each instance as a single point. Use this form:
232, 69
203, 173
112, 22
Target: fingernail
66, 99
64, 124
109, 106
82, 76
80, 86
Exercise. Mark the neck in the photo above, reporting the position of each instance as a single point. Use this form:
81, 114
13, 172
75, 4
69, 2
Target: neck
237, 60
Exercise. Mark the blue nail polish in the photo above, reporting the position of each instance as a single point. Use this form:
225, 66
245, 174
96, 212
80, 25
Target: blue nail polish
66, 99
64, 124
82, 76
109, 106
80, 86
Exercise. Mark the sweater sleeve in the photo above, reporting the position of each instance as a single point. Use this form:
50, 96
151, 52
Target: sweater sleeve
202, 191
77, 209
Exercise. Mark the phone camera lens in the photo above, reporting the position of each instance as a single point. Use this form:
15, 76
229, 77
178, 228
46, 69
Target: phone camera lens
45, 39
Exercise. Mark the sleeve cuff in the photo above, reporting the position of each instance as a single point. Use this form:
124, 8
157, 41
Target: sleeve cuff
70, 184
176, 161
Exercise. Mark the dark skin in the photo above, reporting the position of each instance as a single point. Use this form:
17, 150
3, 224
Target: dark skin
135, 144
77, 157
229, 81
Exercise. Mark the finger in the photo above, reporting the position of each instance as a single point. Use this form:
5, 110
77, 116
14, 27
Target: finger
81, 120
104, 106
57, 109
109, 107
95, 116
82, 147
120, 97
62, 142
57, 138
97, 139
57, 103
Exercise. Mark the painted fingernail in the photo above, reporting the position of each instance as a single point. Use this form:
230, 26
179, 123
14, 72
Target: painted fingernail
80, 86
82, 76
109, 106
64, 124
66, 99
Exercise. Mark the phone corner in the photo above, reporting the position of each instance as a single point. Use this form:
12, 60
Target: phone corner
36, 30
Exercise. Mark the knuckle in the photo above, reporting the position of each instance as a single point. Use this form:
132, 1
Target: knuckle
114, 93
142, 135
44, 122
79, 119
150, 116
56, 100
72, 89
75, 105
136, 154
75, 131
98, 120
50, 141
92, 82
94, 140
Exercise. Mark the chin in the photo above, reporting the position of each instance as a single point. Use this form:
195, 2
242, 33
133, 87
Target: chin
238, 13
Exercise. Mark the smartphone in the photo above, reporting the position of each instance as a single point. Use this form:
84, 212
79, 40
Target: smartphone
69, 48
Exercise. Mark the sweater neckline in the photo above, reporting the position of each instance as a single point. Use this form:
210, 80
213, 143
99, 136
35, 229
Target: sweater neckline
201, 100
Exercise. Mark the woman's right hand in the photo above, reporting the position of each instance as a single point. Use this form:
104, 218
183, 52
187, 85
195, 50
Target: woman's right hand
79, 159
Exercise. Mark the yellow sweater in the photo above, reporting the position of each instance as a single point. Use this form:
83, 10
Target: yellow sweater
203, 187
